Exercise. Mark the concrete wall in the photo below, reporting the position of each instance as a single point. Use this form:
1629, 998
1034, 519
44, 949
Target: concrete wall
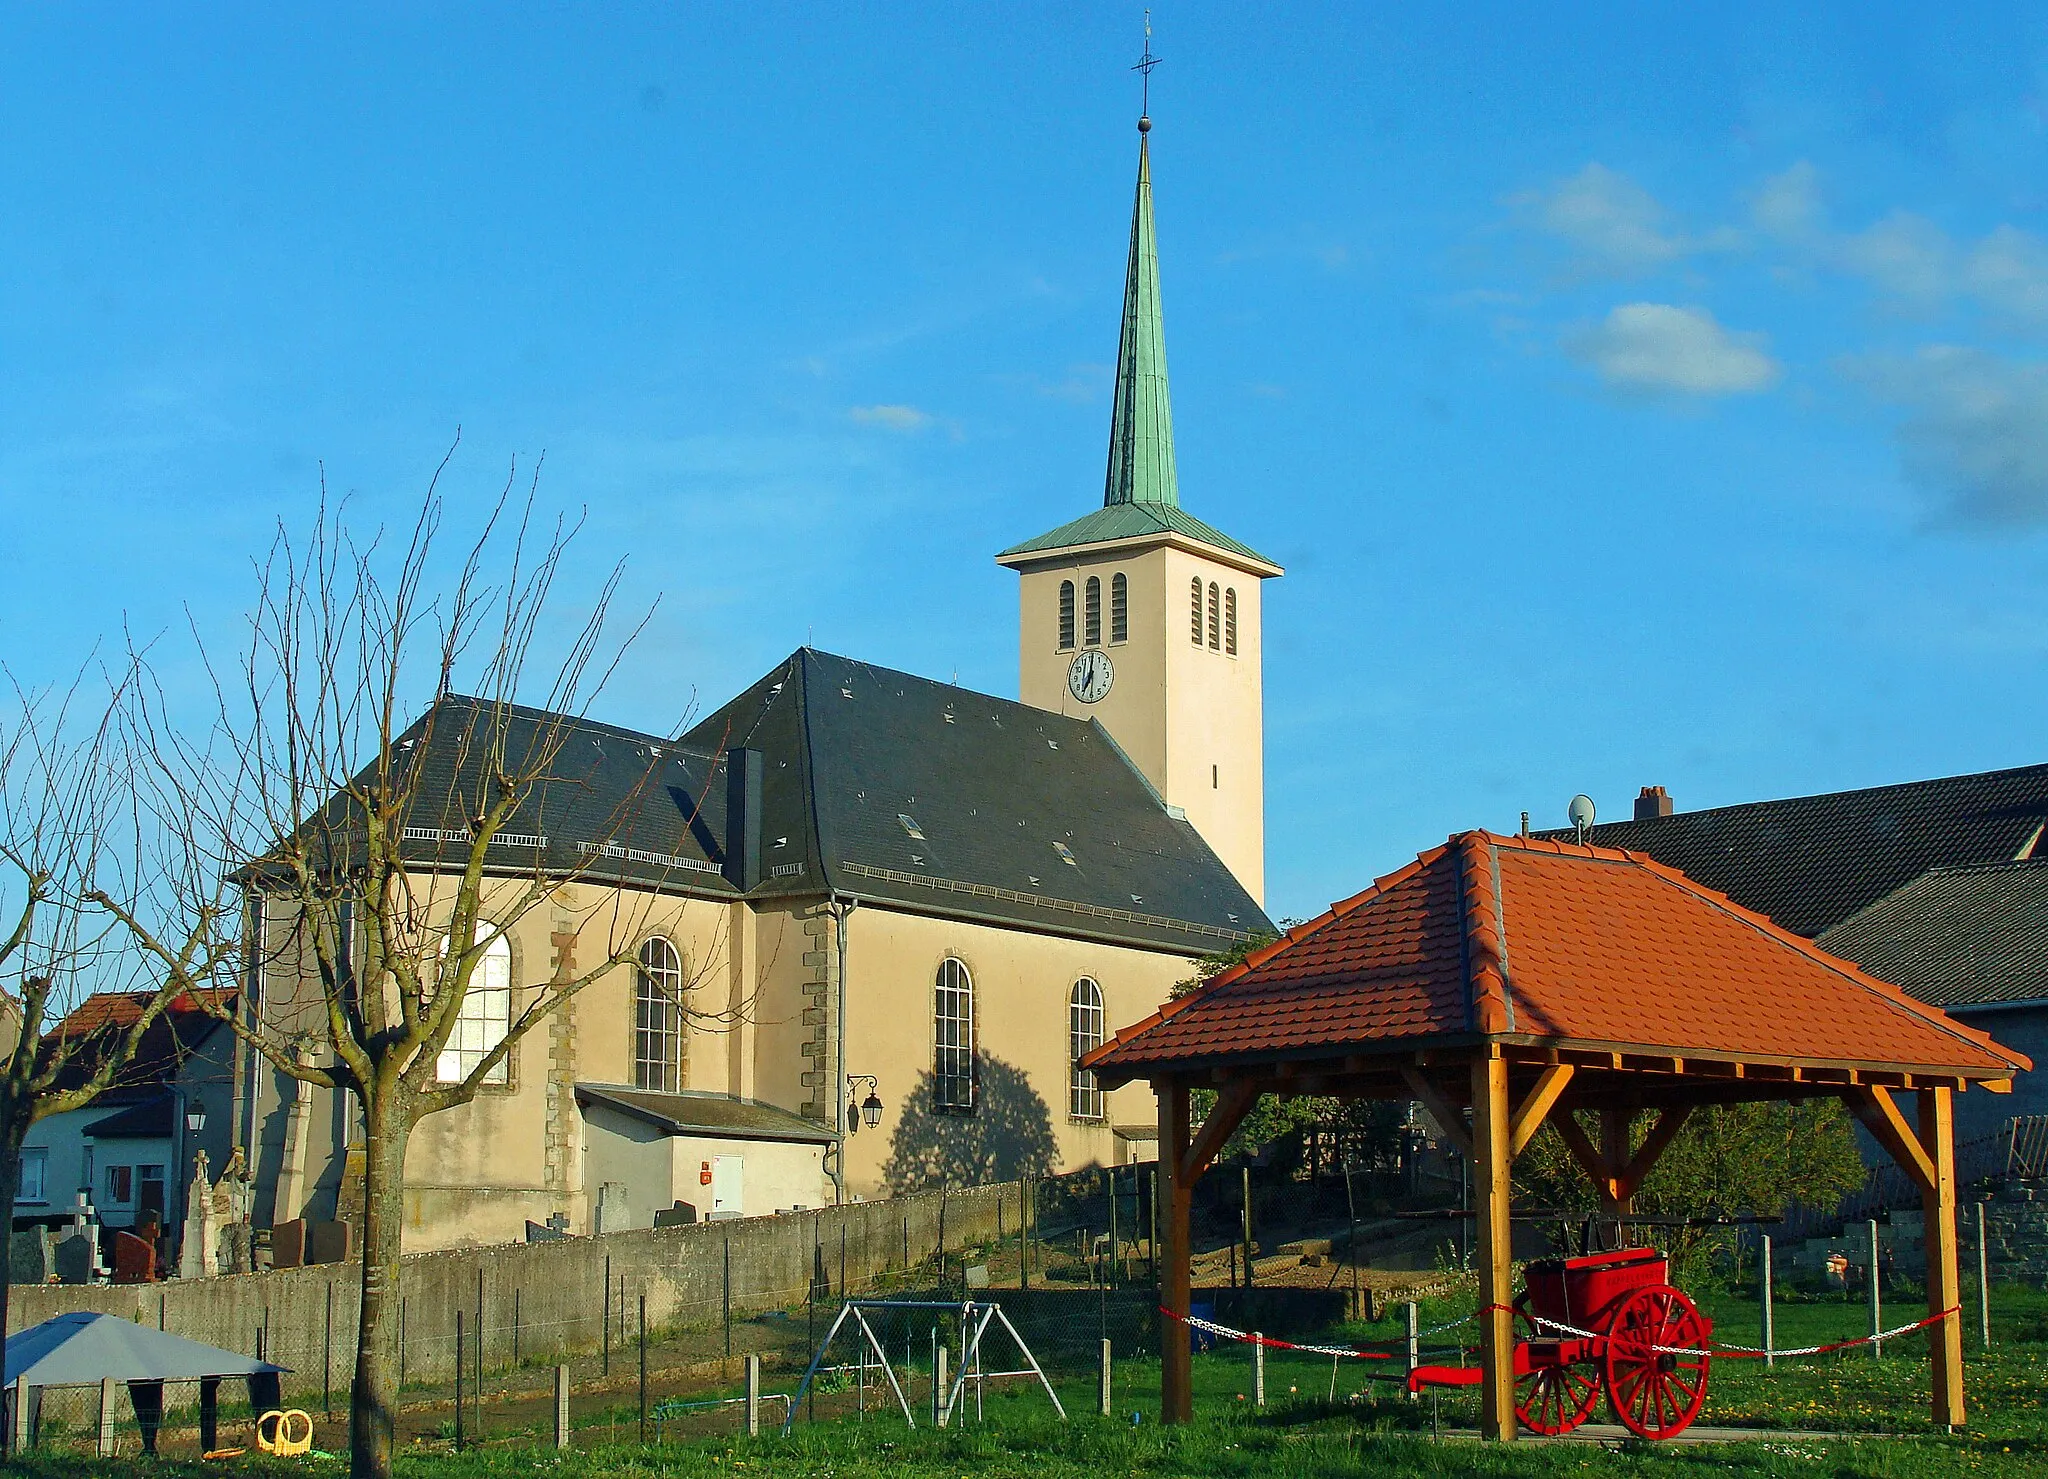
561, 1290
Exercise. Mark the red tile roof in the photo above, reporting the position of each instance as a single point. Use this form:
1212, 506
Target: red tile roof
100, 1018
1535, 941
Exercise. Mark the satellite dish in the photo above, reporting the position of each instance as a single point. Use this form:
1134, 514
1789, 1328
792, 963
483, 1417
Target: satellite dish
1581, 813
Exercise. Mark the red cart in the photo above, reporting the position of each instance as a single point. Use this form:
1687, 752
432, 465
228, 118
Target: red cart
1644, 1343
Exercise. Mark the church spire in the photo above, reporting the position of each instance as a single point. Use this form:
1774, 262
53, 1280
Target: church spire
1141, 424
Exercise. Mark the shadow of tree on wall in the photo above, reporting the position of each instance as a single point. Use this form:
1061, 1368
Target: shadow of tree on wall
1009, 1135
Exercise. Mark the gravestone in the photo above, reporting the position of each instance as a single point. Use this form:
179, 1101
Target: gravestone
288, 1243
682, 1214
328, 1242
29, 1257
547, 1232
233, 1253
196, 1253
612, 1215
977, 1276
134, 1259
75, 1256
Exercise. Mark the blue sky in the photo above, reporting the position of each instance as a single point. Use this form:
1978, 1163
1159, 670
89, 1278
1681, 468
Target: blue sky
1634, 396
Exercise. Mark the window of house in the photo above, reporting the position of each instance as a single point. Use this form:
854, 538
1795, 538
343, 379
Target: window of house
484, 1019
1084, 1035
1215, 621
1119, 608
1195, 610
1066, 615
1091, 611
149, 1190
1230, 621
953, 1040
658, 1018
35, 1172
120, 1186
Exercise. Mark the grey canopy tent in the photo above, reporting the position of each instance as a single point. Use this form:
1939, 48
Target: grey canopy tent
83, 1349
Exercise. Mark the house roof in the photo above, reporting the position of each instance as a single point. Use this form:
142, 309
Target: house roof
151, 1118
849, 751
1812, 861
1534, 942
82, 1348
94, 1026
1957, 937
712, 1116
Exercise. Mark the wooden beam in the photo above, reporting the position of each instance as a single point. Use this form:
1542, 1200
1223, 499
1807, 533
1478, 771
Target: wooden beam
1490, 1166
1995, 1085
1669, 1123
1580, 1144
1232, 1104
1874, 1107
1937, 1137
1176, 1366
1447, 1118
1537, 1104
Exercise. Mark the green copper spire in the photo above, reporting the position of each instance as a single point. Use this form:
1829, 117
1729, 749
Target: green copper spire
1141, 425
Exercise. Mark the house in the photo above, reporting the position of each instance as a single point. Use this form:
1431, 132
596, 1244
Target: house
894, 912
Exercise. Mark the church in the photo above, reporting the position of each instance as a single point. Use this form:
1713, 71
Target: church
877, 918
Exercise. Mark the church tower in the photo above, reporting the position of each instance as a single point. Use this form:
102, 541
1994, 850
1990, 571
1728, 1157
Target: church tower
1143, 616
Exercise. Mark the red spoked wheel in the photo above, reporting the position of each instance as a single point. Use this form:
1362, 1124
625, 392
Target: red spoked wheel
1657, 1359
1552, 1397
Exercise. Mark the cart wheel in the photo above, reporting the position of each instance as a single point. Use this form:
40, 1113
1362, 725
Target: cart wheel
1550, 1399
1657, 1359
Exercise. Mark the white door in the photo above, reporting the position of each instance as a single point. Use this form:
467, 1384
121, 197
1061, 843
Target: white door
728, 1173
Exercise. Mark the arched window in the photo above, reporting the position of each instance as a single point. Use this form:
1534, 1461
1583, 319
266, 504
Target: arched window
1230, 621
1084, 1035
484, 1018
1195, 610
1215, 622
658, 1018
1119, 608
953, 1040
1092, 612
1066, 615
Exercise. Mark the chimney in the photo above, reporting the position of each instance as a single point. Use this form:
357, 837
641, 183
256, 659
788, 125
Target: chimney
1653, 802
743, 819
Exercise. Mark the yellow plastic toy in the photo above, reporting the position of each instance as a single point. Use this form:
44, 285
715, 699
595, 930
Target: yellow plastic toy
286, 1434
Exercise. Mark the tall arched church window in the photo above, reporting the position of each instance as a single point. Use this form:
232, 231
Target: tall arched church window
1195, 610
1230, 621
1119, 608
1084, 1035
658, 1018
1215, 618
483, 1019
953, 1040
1092, 611
1066, 615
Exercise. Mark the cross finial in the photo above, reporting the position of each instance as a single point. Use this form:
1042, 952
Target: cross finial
1144, 68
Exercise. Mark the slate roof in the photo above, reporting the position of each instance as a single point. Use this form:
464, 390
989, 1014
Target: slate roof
848, 751
149, 1119
1957, 937
1529, 941
1134, 521
1810, 862
713, 1116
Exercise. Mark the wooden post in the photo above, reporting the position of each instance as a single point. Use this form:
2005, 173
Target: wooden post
1763, 1289
1414, 1346
753, 1396
939, 1392
1876, 1291
1944, 1280
1490, 1166
104, 1448
561, 1407
1983, 1282
1614, 1148
1176, 1354
1258, 1369
19, 1417
209, 1414
1104, 1394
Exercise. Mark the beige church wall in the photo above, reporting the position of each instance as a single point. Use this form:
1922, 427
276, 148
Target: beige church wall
1021, 986
792, 942
1216, 754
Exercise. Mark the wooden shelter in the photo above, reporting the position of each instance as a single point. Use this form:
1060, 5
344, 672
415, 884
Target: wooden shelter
1527, 980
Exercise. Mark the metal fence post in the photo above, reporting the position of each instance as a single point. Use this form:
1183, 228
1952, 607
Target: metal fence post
1414, 1347
458, 1380
401, 1343
753, 1396
104, 1447
1983, 1282
726, 1298
327, 1359
1103, 1381
643, 1368
1247, 1226
561, 1407
1763, 1273
1876, 1298
1258, 1369
607, 1317
515, 1328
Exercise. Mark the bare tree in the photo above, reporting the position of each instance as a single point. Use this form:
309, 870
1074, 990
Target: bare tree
389, 848
82, 861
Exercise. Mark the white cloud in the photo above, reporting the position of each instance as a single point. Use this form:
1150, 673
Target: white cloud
892, 418
1608, 216
1788, 205
1683, 351
2008, 272
1904, 254
1975, 433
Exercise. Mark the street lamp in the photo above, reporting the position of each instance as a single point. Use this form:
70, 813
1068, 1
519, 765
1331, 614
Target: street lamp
195, 1118
870, 1107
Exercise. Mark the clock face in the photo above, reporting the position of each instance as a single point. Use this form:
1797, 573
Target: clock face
1090, 676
